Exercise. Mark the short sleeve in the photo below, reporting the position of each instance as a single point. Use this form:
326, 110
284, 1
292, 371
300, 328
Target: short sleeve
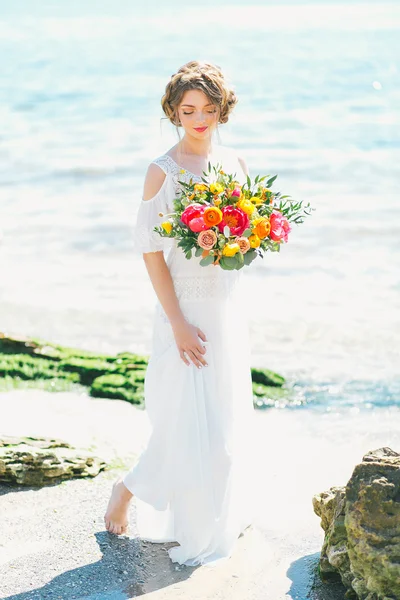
145, 239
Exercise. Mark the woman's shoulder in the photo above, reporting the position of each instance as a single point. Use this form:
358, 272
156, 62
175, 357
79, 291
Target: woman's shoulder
154, 181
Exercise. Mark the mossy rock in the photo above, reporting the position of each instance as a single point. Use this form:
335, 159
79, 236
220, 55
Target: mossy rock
267, 377
20, 366
87, 368
43, 461
128, 359
361, 521
117, 386
121, 376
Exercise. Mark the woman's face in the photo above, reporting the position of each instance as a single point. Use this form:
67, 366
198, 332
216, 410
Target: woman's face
197, 115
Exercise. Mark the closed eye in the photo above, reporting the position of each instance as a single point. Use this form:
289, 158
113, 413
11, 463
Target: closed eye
209, 112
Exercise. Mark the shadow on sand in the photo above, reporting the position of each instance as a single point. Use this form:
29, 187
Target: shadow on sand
128, 568
307, 583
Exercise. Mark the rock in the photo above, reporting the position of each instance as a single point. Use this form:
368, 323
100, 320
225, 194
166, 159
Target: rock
267, 377
362, 528
42, 461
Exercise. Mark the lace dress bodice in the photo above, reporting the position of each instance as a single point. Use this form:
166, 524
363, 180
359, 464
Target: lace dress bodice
192, 282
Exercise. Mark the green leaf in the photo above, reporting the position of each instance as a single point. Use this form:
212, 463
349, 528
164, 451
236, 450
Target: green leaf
239, 260
227, 266
249, 256
271, 181
246, 232
230, 260
248, 181
199, 252
207, 260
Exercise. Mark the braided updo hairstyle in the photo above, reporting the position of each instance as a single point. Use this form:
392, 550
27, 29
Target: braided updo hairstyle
203, 76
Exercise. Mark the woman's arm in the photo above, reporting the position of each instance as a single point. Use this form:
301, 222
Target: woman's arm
155, 262
186, 335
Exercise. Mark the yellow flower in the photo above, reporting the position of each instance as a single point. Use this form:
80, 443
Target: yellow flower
246, 206
200, 187
216, 188
167, 226
217, 201
256, 200
254, 240
181, 170
231, 249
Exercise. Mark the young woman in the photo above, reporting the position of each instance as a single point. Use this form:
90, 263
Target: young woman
193, 483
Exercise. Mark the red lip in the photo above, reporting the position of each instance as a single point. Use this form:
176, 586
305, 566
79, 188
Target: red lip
200, 129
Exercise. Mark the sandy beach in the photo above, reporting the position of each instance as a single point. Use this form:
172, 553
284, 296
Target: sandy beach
53, 543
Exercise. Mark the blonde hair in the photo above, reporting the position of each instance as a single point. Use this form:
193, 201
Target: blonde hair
203, 76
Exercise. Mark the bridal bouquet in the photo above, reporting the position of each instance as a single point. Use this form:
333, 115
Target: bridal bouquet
229, 224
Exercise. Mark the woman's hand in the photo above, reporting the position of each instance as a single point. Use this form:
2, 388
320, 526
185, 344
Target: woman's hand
187, 339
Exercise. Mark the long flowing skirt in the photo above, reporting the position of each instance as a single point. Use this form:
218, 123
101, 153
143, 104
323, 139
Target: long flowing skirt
194, 481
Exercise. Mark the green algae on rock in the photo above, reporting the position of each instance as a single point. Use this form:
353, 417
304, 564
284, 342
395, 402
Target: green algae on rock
31, 361
362, 528
43, 461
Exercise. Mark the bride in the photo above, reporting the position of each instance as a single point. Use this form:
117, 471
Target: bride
193, 483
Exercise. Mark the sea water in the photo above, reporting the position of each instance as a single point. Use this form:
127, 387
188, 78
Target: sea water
318, 86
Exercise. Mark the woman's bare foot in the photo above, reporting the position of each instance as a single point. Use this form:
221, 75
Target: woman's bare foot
116, 517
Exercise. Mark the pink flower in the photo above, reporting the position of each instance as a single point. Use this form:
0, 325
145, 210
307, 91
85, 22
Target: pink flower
192, 212
197, 224
237, 191
280, 227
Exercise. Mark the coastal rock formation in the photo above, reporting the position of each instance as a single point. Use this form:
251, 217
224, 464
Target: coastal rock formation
42, 461
362, 528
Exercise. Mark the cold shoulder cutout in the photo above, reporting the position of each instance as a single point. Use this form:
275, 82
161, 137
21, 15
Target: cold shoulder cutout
152, 212
155, 181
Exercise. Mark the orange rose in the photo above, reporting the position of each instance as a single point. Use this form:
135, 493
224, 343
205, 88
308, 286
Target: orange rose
262, 227
212, 216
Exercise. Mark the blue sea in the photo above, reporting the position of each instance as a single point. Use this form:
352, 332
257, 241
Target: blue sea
319, 94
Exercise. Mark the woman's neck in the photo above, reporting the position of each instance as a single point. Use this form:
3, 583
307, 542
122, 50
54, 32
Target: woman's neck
191, 146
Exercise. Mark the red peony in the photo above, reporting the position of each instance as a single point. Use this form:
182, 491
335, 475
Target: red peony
280, 227
235, 218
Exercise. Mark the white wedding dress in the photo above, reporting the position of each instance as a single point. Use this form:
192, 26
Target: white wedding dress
194, 481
